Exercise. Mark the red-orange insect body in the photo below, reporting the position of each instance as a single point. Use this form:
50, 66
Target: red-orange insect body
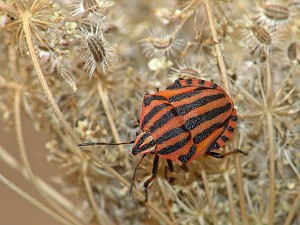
190, 118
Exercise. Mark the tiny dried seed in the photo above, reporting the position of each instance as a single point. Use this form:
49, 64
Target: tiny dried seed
162, 43
96, 48
276, 12
293, 51
261, 34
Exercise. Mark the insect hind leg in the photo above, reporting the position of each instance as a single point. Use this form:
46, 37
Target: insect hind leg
154, 172
220, 156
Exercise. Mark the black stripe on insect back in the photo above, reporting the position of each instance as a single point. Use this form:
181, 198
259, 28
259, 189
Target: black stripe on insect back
179, 97
149, 99
205, 133
153, 112
163, 120
197, 120
189, 155
186, 108
172, 133
173, 148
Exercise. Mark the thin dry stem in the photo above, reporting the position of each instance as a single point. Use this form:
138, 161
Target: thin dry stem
208, 195
240, 186
271, 168
90, 195
166, 200
293, 210
34, 201
104, 98
217, 47
230, 197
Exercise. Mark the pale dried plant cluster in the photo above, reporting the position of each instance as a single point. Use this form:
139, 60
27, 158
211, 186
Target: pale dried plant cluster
95, 59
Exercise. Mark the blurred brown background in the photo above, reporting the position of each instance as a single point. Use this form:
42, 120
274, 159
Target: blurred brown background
14, 210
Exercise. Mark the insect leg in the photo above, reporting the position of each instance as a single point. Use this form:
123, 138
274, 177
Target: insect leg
154, 171
171, 169
133, 176
219, 156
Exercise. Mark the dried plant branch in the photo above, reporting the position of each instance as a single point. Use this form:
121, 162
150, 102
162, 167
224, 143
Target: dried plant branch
13, 163
34, 201
240, 186
166, 200
104, 98
137, 193
208, 195
271, 142
230, 197
90, 195
221, 63
293, 210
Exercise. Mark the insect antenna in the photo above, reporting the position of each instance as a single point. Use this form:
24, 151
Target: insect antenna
104, 143
133, 176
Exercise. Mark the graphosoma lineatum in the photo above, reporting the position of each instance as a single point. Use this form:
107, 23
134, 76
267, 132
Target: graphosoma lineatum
192, 117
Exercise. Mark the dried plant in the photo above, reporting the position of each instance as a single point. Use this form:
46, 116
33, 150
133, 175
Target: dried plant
254, 54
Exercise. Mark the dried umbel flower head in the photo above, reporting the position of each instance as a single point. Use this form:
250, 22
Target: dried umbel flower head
161, 43
97, 51
274, 13
261, 40
83, 7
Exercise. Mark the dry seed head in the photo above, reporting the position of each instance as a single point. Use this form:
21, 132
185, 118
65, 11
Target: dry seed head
274, 13
97, 51
82, 7
161, 43
261, 40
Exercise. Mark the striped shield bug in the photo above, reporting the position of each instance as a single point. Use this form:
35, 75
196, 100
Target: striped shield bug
192, 117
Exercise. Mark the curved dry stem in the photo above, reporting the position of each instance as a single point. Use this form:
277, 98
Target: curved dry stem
89, 192
208, 196
293, 210
34, 201
65, 124
217, 47
49, 96
104, 98
230, 197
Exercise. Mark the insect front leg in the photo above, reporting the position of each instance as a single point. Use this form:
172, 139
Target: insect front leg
170, 168
154, 172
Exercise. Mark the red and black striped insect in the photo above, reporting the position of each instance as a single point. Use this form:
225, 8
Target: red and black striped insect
192, 117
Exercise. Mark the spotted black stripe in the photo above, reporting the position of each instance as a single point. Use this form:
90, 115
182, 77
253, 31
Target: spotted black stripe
197, 120
163, 120
224, 138
179, 97
172, 133
205, 133
189, 81
187, 157
230, 129
214, 145
186, 108
176, 85
234, 118
175, 147
153, 112
149, 99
